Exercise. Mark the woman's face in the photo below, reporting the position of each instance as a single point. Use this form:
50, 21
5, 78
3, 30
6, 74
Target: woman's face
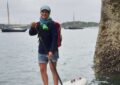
44, 14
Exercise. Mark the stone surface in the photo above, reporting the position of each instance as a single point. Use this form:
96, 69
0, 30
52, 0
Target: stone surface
107, 53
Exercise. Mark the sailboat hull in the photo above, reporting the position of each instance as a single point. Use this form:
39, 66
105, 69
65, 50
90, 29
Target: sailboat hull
13, 30
8, 27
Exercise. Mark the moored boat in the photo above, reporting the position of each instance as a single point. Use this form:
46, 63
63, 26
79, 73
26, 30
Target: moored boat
13, 30
9, 27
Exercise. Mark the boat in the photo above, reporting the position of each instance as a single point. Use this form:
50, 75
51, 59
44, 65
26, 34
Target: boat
73, 24
13, 30
73, 28
9, 27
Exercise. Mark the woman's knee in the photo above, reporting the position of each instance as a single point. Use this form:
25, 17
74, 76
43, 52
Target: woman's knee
53, 67
43, 67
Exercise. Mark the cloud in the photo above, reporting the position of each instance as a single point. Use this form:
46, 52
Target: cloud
26, 11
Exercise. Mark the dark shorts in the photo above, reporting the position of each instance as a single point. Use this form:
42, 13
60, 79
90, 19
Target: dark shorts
43, 58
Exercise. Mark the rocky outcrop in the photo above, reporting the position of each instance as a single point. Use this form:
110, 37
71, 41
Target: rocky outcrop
107, 53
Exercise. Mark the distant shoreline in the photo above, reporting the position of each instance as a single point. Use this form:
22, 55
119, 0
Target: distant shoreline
78, 25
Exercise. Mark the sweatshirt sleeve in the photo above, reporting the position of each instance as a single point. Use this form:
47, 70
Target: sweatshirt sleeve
54, 37
32, 31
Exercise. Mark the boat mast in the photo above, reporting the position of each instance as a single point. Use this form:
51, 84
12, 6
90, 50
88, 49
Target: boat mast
73, 16
8, 12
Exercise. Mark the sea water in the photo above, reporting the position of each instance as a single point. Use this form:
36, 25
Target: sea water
18, 58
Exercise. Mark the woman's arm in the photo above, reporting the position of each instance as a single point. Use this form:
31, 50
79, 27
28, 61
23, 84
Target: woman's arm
33, 30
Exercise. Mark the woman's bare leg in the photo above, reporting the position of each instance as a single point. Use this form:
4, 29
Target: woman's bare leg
43, 70
55, 76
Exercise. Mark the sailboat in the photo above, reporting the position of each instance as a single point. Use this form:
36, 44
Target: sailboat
73, 24
9, 27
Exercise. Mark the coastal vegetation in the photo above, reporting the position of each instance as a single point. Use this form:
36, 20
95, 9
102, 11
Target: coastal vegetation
79, 24
65, 25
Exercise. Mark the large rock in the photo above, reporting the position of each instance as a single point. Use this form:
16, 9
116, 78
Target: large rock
107, 53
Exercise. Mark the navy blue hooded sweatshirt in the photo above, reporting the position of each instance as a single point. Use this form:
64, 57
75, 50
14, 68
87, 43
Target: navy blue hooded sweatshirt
47, 38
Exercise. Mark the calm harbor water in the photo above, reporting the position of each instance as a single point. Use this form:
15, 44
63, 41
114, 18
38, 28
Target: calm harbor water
18, 58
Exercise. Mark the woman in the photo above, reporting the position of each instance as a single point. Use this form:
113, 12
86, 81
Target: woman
48, 48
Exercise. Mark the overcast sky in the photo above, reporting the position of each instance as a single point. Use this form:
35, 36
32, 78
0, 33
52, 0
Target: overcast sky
27, 11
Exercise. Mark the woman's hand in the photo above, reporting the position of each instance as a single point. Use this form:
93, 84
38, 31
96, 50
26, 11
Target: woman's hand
34, 24
50, 55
